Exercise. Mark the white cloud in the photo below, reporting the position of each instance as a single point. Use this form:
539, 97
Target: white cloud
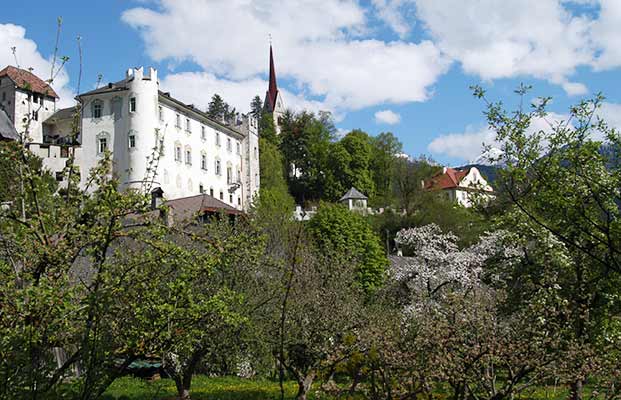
607, 35
464, 146
198, 87
539, 38
387, 117
468, 145
611, 113
28, 56
394, 14
322, 50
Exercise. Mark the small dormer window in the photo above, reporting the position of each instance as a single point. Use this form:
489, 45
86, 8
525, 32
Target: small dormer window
132, 104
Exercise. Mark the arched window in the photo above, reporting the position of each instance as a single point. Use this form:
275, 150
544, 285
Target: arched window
218, 167
177, 151
203, 161
188, 155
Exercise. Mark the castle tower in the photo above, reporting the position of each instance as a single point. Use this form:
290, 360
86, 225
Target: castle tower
273, 103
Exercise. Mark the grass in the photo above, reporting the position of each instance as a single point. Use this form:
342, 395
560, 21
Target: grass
233, 388
221, 388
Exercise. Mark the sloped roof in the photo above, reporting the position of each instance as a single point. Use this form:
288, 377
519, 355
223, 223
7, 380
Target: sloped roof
446, 180
353, 194
65, 113
7, 130
272, 91
110, 87
28, 81
185, 208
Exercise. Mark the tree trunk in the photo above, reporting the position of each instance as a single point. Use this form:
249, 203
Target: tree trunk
183, 382
576, 389
304, 385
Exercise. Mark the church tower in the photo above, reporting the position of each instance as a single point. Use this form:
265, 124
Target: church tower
273, 103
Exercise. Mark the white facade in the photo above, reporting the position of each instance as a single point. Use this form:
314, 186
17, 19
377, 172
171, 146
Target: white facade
26, 109
157, 141
473, 188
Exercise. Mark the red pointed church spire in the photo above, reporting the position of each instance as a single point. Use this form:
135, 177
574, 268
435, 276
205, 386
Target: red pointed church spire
272, 91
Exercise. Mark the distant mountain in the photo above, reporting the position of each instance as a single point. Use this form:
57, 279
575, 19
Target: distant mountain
492, 157
489, 172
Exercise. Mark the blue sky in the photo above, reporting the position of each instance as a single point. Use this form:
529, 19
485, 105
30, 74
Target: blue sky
380, 65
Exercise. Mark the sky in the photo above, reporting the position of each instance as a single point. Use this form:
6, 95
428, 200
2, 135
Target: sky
400, 66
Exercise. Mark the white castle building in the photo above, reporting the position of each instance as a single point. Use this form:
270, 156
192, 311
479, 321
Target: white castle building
156, 141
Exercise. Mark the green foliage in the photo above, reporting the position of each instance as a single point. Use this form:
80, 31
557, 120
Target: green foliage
256, 107
386, 147
267, 130
305, 140
561, 187
336, 228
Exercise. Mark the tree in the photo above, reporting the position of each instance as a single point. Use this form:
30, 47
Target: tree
336, 228
407, 178
386, 151
305, 141
267, 130
217, 108
256, 107
562, 184
358, 145
216, 293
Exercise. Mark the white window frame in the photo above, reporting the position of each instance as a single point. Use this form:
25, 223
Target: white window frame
178, 152
218, 170
133, 104
97, 106
101, 149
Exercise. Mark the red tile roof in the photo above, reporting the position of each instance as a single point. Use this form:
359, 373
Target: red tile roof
446, 180
28, 81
